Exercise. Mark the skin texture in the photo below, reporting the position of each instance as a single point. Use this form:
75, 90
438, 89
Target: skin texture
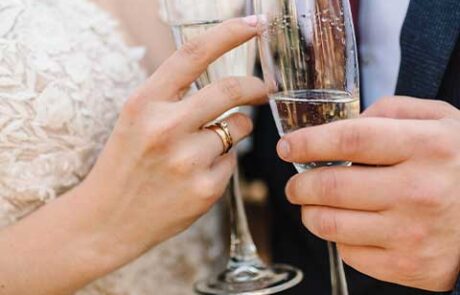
396, 216
159, 172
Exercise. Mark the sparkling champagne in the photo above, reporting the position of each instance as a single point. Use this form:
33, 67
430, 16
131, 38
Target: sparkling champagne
299, 109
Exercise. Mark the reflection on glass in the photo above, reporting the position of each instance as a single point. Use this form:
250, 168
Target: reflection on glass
309, 60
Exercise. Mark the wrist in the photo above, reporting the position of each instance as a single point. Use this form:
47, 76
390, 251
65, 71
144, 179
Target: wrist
95, 240
55, 250
104, 241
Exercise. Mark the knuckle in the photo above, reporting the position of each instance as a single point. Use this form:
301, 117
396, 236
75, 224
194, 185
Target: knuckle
326, 225
443, 144
417, 236
350, 140
436, 141
384, 102
448, 150
407, 268
346, 255
132, 107
410, 236
426, 196
159, 134
129, 118
417, 240
157, 137
242, 123
177, 166
194, 50
207, 189
326, 186
184, 163
381, 107
231, 88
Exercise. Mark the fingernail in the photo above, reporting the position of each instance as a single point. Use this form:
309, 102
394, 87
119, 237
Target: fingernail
251, 20
284, 149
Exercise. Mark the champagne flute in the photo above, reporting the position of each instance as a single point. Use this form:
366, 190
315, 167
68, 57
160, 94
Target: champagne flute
245, 273
310, 65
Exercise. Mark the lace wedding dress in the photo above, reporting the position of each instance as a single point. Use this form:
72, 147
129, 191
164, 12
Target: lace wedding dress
64, 74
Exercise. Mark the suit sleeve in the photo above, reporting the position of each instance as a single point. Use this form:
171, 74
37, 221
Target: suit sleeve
457, 288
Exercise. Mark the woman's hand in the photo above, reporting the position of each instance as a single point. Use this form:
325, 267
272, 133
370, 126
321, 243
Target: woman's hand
159, 172
160, 168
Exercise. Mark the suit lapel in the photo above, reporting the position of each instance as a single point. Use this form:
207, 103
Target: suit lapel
428, 37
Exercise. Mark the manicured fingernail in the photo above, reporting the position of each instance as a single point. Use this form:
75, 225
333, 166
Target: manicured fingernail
251, 20
284, 149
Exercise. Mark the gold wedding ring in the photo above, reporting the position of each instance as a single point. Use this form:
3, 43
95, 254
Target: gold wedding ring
221, 129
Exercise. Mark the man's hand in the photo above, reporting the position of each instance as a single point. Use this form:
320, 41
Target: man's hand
397, 218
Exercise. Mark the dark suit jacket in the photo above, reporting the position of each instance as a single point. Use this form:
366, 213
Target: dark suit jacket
430, 68
457, 289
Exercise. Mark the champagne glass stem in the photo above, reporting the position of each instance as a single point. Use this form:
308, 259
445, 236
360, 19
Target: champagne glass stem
242, 247
338, 278
245, 272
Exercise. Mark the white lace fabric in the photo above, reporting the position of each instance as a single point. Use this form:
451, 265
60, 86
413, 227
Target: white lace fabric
65, 72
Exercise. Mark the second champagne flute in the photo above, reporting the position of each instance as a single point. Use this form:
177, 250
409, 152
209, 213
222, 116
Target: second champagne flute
310, 65
245, 274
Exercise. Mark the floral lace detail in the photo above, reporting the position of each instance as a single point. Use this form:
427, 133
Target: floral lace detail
65, 72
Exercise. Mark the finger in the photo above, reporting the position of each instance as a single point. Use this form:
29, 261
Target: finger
222, 170
354, 188
190, 61
346, 226
375, 141
402, 107
217, 98
373, 261
208, 144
